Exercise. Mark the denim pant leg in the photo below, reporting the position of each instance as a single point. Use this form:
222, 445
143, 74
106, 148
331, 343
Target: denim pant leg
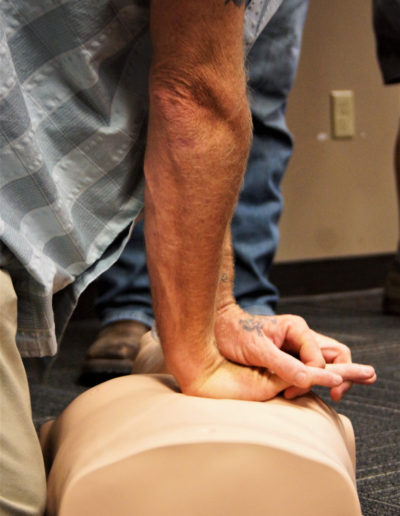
272, 65
124, 289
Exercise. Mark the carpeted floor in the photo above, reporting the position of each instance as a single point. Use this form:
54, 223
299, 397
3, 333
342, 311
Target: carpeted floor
355, 319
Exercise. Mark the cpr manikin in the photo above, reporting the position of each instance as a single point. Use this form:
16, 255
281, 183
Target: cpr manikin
136, 446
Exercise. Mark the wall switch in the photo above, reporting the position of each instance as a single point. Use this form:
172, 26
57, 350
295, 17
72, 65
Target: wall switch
342, 113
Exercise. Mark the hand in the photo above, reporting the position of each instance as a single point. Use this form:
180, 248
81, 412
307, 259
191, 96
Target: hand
271, 342
220, 379
226, 379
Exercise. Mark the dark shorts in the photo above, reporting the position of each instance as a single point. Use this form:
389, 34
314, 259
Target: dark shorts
386, 18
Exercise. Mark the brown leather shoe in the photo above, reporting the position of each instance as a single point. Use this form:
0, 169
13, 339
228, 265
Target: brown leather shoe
113, 352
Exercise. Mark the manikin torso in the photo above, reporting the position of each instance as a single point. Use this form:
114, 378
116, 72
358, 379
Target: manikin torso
136, 445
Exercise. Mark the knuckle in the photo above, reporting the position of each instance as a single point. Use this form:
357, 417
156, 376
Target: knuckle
296, 322
347, 353
320, 362
344, 351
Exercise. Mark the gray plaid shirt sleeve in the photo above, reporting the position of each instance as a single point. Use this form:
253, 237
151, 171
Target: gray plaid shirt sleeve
73, 114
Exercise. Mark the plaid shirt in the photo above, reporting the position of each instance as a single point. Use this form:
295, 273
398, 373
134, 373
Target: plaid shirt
73, 114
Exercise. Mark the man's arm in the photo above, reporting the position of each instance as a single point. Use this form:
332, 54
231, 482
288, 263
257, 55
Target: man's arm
198, 141
197, 147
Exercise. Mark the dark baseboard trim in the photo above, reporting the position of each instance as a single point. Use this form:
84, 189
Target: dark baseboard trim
331, 275
300, 278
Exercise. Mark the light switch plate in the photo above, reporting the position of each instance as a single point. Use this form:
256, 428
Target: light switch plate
342, 113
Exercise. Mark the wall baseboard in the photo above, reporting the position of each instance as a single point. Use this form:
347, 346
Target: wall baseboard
300, 278
340, 274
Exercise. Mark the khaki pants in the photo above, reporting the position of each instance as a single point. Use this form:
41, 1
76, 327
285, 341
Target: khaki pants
22, 475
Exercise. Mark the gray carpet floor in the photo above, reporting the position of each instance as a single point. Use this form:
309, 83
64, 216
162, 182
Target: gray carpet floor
355, 319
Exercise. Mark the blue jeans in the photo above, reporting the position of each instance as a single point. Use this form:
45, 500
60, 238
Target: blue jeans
124, 290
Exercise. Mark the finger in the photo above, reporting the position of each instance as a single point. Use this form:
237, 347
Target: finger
337, 393
357, 373
273, 385
350, 373
332, 349
301, 340
294, 392
327, 377
288, 368
295, 373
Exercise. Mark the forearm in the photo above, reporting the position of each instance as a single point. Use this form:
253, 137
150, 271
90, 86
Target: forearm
189, 202
198, 141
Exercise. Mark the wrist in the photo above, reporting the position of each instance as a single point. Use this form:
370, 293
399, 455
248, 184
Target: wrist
191, 362
225, 296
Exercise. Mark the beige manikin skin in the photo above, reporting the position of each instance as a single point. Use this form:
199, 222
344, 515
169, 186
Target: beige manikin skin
137, 446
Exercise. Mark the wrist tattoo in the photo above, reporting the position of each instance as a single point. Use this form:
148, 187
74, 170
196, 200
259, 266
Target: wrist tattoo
238, 3
224, 278
252, 325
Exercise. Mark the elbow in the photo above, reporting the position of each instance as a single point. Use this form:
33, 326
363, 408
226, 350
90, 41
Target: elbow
202, 115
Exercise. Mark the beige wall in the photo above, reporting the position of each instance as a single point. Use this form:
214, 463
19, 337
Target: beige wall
340, 195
